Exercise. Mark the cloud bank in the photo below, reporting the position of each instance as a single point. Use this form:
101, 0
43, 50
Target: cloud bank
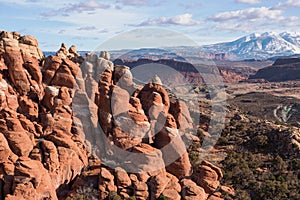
181, 20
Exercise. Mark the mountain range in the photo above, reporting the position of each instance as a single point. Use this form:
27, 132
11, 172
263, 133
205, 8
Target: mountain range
259, 46
255, 46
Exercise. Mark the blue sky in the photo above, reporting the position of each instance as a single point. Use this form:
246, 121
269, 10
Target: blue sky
88, 23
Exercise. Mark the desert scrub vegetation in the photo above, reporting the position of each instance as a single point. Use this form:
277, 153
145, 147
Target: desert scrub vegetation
85, 193
258, 167
257, 177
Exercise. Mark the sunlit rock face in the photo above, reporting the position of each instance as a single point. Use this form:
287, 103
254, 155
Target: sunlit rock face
57, 113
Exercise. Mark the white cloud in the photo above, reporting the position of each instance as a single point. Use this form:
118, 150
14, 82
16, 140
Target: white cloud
103, 31
193, 5
282, 23
288, 4
250, 14
86, 28
20, 2
134, 2
146, 38
233, 27
90, 5
41, 4
121, 4
253, 19
248, 1
181, 20
106, 21
62, 31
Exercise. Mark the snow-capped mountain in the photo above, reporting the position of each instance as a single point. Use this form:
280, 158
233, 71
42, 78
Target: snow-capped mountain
293, 38
259, 46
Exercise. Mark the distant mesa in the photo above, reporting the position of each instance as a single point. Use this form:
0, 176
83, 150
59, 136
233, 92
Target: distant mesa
284, 69
229, 73
284, 61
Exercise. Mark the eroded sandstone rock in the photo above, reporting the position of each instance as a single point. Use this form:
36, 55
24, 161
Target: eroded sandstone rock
208, 176
191, 191
49, 107
41, 152
106, 183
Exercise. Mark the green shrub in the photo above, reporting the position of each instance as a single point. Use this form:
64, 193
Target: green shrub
162, 197
114, 196
223, 141
76, 197
260, 140
295, 164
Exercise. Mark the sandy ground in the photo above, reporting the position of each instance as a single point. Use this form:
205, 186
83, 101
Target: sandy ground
285, 89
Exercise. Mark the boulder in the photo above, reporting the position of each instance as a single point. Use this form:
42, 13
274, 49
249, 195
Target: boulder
91, 88
50, 93
33, 172
28, 107
73, 52
144, 158
31, 64
103, 101
62, 139
173, 148
173, 188
7, 156
123, 182
123, 140
19, 140
50, 156
119, 71
64, 77
208, 176
181, 114
101, 66
148, 98
140, 188
16, 71
106, 183
136, 111
6, 34
10, 44
158, 183
73, 166
122, 177
191, 191
62, 52
2, 62
105, 55
52, 63
29, 40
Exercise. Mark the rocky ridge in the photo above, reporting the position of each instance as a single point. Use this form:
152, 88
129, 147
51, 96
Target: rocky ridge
51, 110
284, 69
189, 71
